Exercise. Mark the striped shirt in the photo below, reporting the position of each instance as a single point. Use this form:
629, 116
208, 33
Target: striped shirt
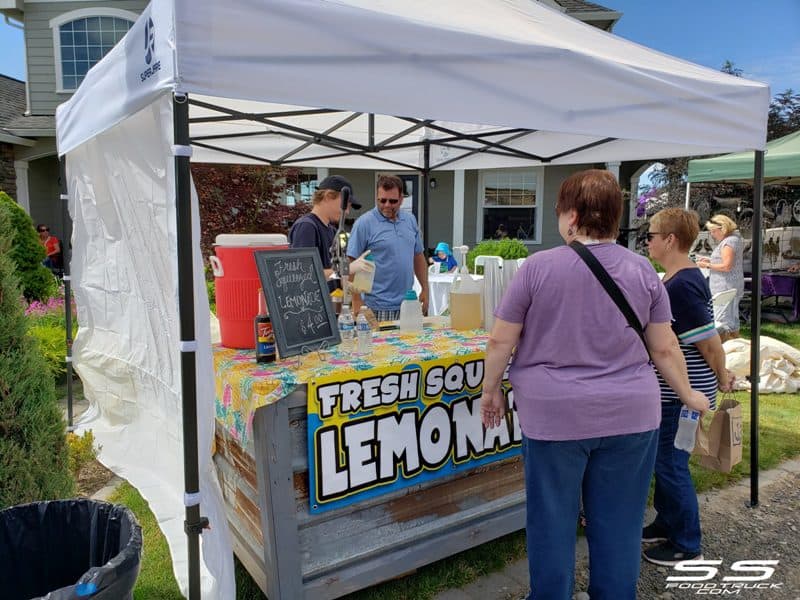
693, 321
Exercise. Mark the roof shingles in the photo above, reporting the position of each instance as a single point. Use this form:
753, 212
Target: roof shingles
12, 99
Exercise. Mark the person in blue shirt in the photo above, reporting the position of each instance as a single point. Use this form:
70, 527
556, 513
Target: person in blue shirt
676, 527
392, 237
444, 258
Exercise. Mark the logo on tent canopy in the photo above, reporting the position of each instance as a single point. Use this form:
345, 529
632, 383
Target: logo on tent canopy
149, 41
150, 51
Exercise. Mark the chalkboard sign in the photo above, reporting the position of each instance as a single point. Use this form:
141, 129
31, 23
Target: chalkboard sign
298, 299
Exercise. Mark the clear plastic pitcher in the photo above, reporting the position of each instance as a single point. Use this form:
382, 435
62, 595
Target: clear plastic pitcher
362, 281
466, 302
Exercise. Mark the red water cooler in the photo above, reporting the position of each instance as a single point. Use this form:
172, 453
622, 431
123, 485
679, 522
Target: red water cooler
237, 283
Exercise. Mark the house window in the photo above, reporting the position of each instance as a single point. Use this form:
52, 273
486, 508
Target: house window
81, 38
300, 188
509, 200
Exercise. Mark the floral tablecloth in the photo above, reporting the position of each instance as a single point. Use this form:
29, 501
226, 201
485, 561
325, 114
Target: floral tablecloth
242, 385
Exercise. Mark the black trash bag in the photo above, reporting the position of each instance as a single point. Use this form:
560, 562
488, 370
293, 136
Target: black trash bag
69, 550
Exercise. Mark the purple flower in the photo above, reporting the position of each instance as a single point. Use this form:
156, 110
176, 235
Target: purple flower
643, 200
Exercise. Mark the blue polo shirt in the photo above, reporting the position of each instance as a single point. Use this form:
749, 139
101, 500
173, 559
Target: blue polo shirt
393, 244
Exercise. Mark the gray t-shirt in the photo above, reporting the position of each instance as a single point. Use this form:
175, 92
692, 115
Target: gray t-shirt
733, 279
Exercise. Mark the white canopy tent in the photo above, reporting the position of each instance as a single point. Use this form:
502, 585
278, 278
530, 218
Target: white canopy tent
234, 82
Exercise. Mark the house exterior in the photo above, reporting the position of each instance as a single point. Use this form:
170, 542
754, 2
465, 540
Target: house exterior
64, 38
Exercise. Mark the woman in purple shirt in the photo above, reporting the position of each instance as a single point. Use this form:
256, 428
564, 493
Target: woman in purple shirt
586, 395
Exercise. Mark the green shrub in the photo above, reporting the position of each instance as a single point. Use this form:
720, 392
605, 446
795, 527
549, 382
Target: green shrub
211, 289
656, 265
506, 248
81, 450
34, 463
36, 280
47, 323
52, 346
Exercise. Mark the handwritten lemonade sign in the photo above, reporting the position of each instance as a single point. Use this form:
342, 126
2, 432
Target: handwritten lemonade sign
297, 298
388, 428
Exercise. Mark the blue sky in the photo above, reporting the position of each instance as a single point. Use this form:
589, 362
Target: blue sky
761, 37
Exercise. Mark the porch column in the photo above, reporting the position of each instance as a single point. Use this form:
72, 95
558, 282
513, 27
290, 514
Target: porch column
23, 192
458, 207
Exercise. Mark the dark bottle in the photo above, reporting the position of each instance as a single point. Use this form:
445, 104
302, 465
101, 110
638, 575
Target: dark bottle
264, 335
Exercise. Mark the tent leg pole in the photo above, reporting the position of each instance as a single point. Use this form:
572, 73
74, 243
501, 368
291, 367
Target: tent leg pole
194, 523
426, 176
688, 188
66, 255
755, 320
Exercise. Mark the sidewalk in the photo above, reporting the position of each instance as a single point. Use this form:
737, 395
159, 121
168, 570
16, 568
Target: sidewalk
732, 530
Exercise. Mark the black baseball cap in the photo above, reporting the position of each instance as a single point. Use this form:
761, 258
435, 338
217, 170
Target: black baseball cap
336, 183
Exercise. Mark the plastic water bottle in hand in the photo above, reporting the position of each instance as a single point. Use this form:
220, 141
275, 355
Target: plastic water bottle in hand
364, 332
347, 328
687, 429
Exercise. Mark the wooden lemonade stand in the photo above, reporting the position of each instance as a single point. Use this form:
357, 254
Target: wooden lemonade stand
339, 471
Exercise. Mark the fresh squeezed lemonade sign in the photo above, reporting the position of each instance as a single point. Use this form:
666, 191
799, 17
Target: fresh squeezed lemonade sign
384, 429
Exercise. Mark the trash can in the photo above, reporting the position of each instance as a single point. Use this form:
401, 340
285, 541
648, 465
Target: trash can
69, 550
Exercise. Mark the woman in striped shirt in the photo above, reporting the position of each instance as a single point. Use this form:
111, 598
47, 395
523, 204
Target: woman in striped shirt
677, 523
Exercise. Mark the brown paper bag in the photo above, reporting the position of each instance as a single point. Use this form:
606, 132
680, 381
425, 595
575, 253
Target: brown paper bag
720, 448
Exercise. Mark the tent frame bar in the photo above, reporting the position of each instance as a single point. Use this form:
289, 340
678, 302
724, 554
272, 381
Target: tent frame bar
370, 148
66, 255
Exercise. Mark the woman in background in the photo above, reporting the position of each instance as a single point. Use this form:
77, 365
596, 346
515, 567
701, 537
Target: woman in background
52, 247
726, 271
586, 396
677, 523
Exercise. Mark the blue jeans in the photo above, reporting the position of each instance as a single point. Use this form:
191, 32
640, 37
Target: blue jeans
614, 475
675, 499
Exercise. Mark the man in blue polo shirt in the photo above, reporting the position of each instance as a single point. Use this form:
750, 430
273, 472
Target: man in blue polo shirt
318, 228
393, 239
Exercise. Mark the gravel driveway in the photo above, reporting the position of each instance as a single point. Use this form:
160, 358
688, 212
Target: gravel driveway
732, 531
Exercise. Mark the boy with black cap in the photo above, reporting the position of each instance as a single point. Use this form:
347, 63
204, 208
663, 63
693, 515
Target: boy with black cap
317, 229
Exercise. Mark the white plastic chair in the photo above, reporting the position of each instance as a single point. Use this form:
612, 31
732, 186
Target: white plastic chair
720, 301
480, 261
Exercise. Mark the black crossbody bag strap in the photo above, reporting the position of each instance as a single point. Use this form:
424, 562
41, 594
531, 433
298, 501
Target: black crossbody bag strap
611, 287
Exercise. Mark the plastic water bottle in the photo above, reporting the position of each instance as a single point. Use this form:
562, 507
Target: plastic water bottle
687, 429
410, 313
347, 328
364, 332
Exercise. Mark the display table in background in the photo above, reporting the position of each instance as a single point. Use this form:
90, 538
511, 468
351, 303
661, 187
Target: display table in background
262, 460
777, 284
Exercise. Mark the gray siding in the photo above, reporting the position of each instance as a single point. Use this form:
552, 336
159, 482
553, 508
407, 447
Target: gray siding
471, 207
553, 177
440, 210
44, 193
41, 54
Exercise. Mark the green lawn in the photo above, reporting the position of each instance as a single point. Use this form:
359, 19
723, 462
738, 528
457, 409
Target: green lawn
778, 441
155, 577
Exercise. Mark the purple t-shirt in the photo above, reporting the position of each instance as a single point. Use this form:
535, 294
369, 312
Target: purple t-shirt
580, 371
